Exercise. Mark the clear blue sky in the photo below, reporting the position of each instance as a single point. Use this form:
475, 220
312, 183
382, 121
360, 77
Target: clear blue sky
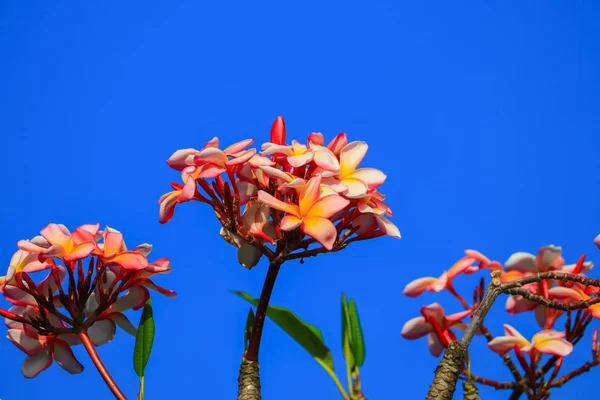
484, 116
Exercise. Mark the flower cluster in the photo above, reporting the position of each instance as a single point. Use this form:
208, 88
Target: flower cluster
287, 195
74, 299
535, 295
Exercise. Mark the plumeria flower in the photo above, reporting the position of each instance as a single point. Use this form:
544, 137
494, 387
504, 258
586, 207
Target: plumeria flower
23, 261
547, 341
212, 161
466, 265
312, 212
57, 241
42, 350
180, 194
114, 251
256, 218
18, 296
358, 181
433, 315
368, 223
577, 293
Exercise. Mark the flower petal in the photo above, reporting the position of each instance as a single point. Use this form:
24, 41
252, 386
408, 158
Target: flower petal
521, 261
278, 204
63, 355
239, 146
356, 188
290, 222
123, 322
181, 159
29, 345
102, 331
416, 328
135, 298
327, 206
418, 286
299, 160
131, 260
309, 195
372, 177
33, 365
338, 143
324, 158
503, 344
320, 229
278, 131
351, 156
436, 348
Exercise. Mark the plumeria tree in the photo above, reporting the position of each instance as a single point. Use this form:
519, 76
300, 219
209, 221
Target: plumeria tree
286, 201
559, 296
291, 200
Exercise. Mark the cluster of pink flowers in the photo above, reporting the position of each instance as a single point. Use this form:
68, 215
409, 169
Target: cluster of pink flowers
284, 191
47, 317
434, 323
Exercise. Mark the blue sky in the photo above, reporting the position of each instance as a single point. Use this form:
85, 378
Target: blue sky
484, 117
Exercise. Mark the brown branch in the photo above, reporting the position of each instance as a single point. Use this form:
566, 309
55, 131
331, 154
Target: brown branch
576, 372
549, 303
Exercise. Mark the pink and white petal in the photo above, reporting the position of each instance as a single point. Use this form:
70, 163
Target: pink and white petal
415, 328
290, 222
113, 241
56, 234
242, 157
70, 339
436, 348
239, 146
338, 143
299, 160
587, 266
257, 161
558, 347
440, 283
517, 304
123, 322
30, 246
80, 251
160, 266
63, 355
316, 138
566, 293
327, 206
33, 365
388, 227
320, 229
209, 171
351, 156
418, 286
541, 316
325, 159
433, 310
246, 190
135, 298
277, 173
550, 258
181, 159
271, 148
297, 184
188, 192
214, 142
548, 334
18, 297
26, 343
145, 282
370, 176
130, 260
144, 248
210, 155
365, 223
504, 344
309, 194
167, 206
278, 204
521, 261
355, 188
478, 256
512, 332
102, 331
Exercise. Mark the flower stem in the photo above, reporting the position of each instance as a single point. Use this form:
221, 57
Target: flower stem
89, 347
261, 310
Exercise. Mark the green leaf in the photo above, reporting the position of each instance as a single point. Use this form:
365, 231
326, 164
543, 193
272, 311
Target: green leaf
358, 341
143, 340
347, 334
248, 328
307, 335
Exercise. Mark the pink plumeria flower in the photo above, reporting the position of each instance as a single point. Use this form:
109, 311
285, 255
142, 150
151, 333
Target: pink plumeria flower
184, 158
114, 251
358, 181
256, 217
23, 261
103, 329
212, 162
465, 265
57, 241
297, 155
368, 223
312, 212
421, 326
42, 350
181, 194
577, 293
547, 341
520, 264
19, 297
338, 143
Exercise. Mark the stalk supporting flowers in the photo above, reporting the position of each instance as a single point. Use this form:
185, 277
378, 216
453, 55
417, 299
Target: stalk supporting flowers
89, 347
285, 201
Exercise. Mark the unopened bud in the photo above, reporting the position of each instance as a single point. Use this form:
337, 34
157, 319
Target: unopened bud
248, 255
597, 241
